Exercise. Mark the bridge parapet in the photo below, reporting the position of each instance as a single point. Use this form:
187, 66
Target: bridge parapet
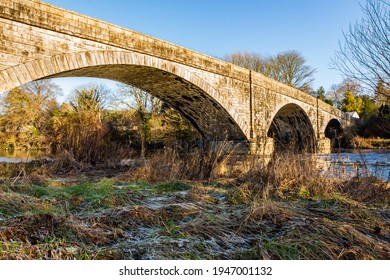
46, 16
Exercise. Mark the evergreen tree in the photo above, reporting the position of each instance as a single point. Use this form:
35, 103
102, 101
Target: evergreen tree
349, 103
321, 93
367, 106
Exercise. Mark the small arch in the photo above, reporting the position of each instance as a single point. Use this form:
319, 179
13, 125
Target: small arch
334, 132
292, 130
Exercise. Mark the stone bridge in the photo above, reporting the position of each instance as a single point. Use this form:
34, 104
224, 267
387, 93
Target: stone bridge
221, 100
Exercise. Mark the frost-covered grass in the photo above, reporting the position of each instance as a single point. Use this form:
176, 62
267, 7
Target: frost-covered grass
287, 210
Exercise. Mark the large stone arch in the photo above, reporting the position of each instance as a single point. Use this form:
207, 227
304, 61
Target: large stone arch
208, 111
292, 129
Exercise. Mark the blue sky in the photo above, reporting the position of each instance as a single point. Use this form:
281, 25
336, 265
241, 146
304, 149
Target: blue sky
217, 28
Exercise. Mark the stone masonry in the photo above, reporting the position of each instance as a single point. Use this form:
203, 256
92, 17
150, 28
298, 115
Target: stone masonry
221, 100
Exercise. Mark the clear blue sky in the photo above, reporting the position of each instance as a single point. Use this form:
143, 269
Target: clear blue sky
219, 27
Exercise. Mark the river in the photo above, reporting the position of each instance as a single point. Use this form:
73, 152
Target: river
356, 163
348, 163
18, 156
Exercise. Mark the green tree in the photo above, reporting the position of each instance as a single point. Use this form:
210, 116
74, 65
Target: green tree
156, 122
92, 98
321, 93
337, 92
173, 130
367, 106
349, 103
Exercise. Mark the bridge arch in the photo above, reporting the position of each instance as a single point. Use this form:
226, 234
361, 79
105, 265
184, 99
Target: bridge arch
292, 130
333, 131
202, 105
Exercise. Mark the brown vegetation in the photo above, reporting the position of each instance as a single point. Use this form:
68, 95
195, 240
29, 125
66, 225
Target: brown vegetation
370, 143
170, 208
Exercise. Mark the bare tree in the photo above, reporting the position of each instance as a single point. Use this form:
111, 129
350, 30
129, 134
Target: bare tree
365, 55
42, 93
142, 104
26, 112
91, 97
287, 67
251, 61
337, 92
135, 99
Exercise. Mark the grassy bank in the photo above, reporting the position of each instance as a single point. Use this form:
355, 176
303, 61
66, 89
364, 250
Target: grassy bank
160, 210
370, 143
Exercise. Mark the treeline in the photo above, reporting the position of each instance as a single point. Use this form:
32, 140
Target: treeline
373, 109
95, 124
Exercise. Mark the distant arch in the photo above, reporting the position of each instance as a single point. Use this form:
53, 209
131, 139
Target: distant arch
334, 132
292, 130
203, 106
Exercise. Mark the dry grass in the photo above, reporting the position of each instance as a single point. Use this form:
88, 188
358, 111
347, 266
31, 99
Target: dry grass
370, 143
316, 230
168, 165
286, 210
370, 190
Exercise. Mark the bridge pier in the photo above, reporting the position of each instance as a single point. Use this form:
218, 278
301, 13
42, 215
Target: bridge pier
264, 146
324, 145
267, 146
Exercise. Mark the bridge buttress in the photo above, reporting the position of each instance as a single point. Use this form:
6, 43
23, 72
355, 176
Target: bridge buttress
263, 146
324, 145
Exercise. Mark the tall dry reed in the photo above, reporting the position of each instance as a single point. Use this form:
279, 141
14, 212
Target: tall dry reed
201, 164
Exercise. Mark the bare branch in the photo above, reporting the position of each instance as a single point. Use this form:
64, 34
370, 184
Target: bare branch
288, 67
365, 54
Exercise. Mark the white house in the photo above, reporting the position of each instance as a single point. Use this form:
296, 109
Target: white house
353, 114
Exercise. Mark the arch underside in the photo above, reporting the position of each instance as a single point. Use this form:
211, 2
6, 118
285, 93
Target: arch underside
334, 132
292, 130
207, 116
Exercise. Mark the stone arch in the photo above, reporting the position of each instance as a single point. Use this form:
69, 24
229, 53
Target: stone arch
292, 130
206, 109
333, 131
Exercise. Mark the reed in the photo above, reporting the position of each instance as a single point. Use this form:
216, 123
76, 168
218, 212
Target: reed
202, 164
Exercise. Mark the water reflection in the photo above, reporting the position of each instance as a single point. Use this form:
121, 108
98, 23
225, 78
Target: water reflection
18, 156
353, 163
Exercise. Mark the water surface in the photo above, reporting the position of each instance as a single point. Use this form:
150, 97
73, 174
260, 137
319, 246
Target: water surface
18, 156
356, 163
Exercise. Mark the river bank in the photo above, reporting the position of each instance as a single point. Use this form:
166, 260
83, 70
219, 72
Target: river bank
370, 143
286, 211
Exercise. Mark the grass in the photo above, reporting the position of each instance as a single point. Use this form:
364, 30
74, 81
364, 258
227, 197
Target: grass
288, 210
370, 143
